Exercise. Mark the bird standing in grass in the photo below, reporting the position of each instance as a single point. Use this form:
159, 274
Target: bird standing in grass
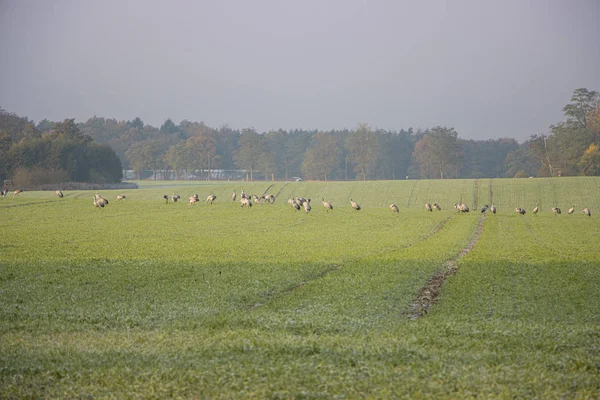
463, 208
193, 200
211, 198
394, 208
4, 192
484, 208
294, 204
556, 210
120, 197
536, 209
428, 207
355, 205
436, 207
327, 205
493, 209
233, 196
98, 203
166, 199
571, 210
17, 192
307, 206
520, 210
175, 197
245, 202
587, 212
101, 199
59, 193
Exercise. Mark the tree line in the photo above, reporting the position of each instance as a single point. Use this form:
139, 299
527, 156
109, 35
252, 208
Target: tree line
195, 149
63, 154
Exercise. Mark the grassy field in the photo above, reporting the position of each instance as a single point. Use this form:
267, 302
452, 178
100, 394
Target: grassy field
153, 300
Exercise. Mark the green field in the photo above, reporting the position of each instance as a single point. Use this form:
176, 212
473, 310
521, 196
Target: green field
153, 300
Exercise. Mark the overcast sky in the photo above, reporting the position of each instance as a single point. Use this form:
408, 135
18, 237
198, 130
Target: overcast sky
487, 68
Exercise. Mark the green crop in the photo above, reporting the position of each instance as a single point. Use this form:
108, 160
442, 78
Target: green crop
147, 299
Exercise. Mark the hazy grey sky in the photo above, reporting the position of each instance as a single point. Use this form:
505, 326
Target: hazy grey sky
487, 68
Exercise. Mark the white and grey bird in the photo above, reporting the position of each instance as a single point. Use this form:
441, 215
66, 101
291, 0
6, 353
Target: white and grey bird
256, 199
245, 202
556, 210
294, 204
59, 193
270, 198
428, 207
587, 212
307, 206
101, 199
233, 196
210, 199
355, 205
436, 206
520, 210
484, 208
536, 209
394, 208
175, 197
166, 199
571, 210
98, 203
4, 192
327, 205
493, 209
463, 208
120, 197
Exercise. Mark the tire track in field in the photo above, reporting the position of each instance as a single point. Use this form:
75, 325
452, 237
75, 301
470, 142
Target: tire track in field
428, 294
330, 268
410, 195
267, 189
476, 202
31, 204
426, 236
491, 193
280, 189
335, 267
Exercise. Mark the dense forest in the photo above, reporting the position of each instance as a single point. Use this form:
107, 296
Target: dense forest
98, 149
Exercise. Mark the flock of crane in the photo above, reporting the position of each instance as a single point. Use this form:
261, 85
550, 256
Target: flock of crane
463, 208
247, 200
298, 203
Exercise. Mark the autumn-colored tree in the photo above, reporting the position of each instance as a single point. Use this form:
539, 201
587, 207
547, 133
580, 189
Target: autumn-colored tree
250, 148
363, 149
177, 158
321, 159
438, 153
590, 161
202, 152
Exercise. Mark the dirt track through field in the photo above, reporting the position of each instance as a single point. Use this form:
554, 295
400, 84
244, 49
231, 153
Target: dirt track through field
281, 189
476, 201
30, 204
428, 294
327, 271
335, 267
